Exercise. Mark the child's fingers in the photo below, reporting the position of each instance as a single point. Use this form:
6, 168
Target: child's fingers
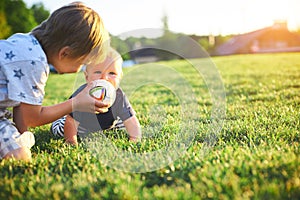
101, 107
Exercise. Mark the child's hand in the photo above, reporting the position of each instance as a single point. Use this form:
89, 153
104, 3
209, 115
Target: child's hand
85, 103
134, 139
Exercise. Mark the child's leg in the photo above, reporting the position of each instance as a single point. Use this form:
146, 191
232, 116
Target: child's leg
118, 124
57, 127
12, 143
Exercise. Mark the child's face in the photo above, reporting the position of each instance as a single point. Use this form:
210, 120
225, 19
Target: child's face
69, 65
111, 72
63, 62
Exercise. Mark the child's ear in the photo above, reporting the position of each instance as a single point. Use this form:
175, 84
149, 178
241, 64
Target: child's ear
64, 52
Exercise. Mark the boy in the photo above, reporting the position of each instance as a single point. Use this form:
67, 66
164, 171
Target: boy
71, 35
81, 123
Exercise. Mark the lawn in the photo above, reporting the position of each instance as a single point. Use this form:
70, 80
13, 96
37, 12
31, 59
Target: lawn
196, 145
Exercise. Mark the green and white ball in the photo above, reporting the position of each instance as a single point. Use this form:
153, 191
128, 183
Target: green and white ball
104, 91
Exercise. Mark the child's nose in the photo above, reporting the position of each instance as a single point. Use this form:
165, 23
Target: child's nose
104, 76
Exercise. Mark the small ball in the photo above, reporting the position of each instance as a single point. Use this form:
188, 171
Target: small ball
104, 91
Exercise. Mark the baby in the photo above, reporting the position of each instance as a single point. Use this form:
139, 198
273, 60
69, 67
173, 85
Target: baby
120, 114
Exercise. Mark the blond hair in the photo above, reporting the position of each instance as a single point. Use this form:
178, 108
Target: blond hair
112, 56
77, 26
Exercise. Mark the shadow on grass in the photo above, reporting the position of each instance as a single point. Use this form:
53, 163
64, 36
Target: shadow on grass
166, 177
43, 139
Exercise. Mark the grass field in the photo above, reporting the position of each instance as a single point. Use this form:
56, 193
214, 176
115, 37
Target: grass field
255, 156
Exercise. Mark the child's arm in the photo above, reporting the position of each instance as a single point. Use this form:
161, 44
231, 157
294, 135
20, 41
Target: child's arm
27, 115
70, 130
133, 128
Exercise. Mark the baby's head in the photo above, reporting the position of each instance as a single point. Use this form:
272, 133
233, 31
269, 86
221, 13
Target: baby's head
110, 69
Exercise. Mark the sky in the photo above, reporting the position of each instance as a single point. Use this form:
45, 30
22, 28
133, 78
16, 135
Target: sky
199, 17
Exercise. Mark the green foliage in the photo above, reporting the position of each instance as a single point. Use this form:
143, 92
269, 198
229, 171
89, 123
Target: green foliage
121, 47
15, 17
169, 45
256, 155
5, 29
19, 17
165, 45
204, 43
39, 12
169, 42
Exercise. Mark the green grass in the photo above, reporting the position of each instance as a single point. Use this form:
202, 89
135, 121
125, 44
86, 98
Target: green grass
255, 156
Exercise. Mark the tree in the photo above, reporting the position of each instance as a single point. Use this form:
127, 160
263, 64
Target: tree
120, 46
18, 16
165, 23
5, 29
39, 12
167, 43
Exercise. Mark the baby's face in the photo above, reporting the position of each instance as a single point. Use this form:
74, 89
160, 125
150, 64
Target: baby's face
110, 71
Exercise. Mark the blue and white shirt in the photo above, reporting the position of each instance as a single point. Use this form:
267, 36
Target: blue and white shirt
23, 71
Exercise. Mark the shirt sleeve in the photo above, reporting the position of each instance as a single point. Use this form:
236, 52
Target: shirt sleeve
122, 107
26, 81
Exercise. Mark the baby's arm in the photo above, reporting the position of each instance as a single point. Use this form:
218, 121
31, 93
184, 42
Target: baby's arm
133, 128
70, 130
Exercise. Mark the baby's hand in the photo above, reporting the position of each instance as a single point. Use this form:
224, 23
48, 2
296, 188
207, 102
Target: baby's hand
85, 103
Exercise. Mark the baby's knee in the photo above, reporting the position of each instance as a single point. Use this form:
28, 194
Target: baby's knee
22, 153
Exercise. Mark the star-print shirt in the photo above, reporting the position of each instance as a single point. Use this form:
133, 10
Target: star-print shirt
23, 71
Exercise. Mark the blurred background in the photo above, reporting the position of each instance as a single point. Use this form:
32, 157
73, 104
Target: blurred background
220, 27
